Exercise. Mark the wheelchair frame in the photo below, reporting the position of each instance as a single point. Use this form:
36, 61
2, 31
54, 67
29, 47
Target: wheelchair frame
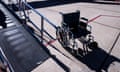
66, 37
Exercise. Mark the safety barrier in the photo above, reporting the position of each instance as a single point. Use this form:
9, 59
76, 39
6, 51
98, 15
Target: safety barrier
23, 7
42, 29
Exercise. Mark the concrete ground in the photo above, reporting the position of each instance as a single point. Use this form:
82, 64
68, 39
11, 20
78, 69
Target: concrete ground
104, 19
105, 22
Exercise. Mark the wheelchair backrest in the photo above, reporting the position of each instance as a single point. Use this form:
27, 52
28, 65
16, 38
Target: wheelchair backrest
71, 19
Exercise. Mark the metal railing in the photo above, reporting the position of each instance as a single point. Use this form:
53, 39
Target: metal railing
42, 31
43, 18
23, 7
5, 62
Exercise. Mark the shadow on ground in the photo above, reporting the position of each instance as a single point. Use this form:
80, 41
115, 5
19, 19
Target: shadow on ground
49, 3
97, 59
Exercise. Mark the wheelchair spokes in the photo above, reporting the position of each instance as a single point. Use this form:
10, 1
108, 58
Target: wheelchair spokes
66, 38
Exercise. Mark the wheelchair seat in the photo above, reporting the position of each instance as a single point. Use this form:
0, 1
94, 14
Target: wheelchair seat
77, 27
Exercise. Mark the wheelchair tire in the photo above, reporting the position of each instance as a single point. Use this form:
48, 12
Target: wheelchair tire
61, 36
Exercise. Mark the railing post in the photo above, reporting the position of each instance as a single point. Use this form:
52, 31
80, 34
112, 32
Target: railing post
42, 28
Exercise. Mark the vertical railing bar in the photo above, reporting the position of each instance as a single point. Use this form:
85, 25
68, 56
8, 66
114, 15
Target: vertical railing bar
40, 15
42, 28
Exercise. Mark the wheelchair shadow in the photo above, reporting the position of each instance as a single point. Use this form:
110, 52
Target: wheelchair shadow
97, 59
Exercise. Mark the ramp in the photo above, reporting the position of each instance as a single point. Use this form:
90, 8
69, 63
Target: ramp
22, 50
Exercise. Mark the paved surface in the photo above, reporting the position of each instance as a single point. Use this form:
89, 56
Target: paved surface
103, 18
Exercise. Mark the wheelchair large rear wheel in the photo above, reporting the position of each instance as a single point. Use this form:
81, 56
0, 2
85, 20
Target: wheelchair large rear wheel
62, 37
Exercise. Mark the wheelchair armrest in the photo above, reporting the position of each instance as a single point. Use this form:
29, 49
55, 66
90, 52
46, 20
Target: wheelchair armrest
64, 24
83, 18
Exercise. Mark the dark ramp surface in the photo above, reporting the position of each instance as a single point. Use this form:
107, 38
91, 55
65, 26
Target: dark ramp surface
21, 49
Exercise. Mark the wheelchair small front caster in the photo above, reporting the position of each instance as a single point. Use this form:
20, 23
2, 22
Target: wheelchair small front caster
93, 45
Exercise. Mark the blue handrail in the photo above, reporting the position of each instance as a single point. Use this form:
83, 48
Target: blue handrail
49, 22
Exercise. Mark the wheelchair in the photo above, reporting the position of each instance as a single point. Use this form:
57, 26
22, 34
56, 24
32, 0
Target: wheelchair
73, 27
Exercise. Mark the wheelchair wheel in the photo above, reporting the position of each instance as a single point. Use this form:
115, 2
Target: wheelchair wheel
62, 37
65, 37
87, 43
